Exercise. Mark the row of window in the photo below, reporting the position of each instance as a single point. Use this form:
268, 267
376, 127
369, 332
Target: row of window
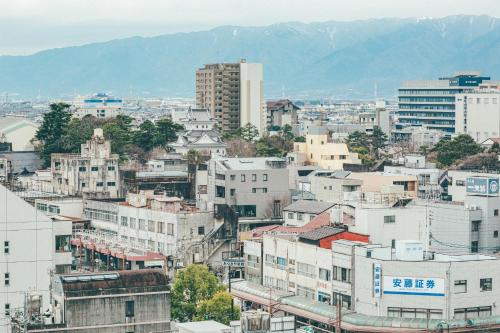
149, 225
98, 214
243, 177
95, 168
300, 216
485, 284
48, 208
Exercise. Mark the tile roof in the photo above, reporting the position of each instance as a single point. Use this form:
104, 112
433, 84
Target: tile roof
319, 221
321, 233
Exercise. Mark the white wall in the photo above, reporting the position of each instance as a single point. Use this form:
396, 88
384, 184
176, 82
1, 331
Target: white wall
483, 115
252, 96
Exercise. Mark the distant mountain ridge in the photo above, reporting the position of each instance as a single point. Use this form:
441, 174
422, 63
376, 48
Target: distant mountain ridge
342, 60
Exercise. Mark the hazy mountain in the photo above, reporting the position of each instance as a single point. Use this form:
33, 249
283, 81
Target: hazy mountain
329, 59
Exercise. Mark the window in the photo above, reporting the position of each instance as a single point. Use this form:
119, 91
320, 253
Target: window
486, 284
475, 225
151, 226
6, 279
254, 190
306, 269
474, 247
129, 308
111, 168
99, 184
6, 247
242, 178
300, 216
254, 177
124, 221
94, 168
132, 223
325, 274
269, 259
83, 184
324, 298
111, 183
232, 192
41, 206
290, 215
264, 190
495, 212
341, 274
142, 224
344, 300
54, 209
459, 183
160, 227
170, 229
246, 210
63, 243
495, 234
390, 219
232, 177
460, 286
281, 262
306, 292
82, 168
220, 191
264, 177
7, 309
201, 230
465, 313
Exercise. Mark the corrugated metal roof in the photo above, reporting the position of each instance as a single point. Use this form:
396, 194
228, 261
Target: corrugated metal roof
308, 206
321, 233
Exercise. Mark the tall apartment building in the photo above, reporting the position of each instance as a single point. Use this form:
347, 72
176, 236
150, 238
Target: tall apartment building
478, 114
234, 94
432, 102
33, 248
93, 172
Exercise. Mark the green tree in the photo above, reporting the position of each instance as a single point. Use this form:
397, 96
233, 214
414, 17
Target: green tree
146, 136
273, 146
357, 139
248, 132
495, 148
79, 131
192, 286
299, 139
50, 134
450, 151
287, 132
118, 131
218, 308
378, 141
166, 132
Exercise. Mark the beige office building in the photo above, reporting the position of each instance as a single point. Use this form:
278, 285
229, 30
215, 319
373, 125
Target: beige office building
234, 94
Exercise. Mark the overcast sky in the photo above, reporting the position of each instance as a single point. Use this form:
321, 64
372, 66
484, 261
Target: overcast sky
27, 26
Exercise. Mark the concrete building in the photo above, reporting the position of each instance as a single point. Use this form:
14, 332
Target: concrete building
302, 211
456, 182
478, 114
330, 186
256, 188
33, 248
383, 117
282, 112
160, 224
109, 302
93, 172
432, 103
319, 150
417, 136
99, 105
18, 131
234, 94
427, 179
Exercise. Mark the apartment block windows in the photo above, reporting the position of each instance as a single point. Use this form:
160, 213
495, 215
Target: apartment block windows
281, 262
6, 279
495, 234
306, 270
6, 247
474, 247
486, 284
254, 177
243, 178
7, 309
390, 219
111, 168
325, 274
495, 212
63, 243
460, 286
129, 308
341, 274
264, 177
82, 169
124, 221
201, 230
475, 225
94, 168
464, 313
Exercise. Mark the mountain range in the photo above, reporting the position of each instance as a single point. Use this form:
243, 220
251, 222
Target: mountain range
340, 60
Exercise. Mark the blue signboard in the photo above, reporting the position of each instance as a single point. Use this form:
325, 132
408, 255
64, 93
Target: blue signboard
482, 185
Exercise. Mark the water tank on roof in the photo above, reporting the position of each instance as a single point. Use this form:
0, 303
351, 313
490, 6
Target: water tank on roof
409, 250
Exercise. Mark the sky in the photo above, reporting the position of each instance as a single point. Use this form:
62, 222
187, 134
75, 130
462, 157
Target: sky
28, 26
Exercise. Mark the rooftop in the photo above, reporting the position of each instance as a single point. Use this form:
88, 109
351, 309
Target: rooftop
321, 233
309, 206
250, 163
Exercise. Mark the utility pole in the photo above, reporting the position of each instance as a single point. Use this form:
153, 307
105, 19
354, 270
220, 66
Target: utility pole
338, 319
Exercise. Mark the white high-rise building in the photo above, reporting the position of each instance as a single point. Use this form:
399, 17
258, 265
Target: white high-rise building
252, 106
33, 247
477, 113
